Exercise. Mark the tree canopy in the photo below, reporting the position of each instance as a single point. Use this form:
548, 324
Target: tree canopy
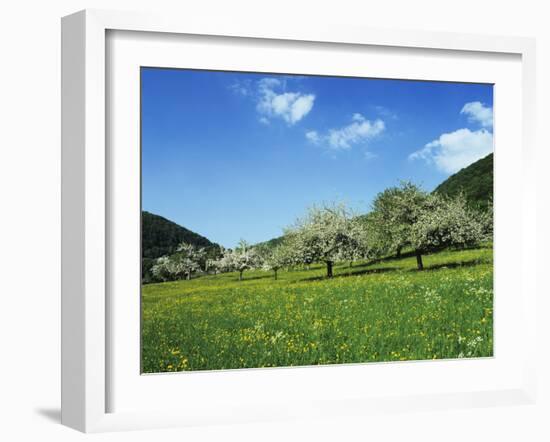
407, 216
402, 217
327, 234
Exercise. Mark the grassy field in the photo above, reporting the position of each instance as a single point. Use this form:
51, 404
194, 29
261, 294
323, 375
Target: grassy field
383, 311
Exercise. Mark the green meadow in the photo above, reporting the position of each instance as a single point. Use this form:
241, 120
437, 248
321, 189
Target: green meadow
384, 310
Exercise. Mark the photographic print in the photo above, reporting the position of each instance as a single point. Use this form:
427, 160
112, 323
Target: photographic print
305, 220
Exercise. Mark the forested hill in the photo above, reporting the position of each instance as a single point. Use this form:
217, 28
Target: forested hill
269, 244
160, 236
475, 181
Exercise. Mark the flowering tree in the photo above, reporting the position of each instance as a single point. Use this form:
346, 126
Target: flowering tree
358, 244
406, 216
377, 243
160, 269
277, 258
444, 222
300, 248
395, 210
486, 219
243, 257
326, 234
225, 263
213, 265
187, 260
182, 264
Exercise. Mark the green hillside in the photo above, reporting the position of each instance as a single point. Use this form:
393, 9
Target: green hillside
475, 181
160, 236
270, 244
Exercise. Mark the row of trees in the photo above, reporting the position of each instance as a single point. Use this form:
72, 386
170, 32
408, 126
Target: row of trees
402, 218
187, 261
407, 217
190, 260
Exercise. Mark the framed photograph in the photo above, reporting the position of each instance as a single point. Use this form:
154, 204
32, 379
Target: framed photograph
263, 223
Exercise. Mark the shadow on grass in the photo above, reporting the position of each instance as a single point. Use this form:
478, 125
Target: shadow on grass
452, 265
370, 263
412, 254
352, 273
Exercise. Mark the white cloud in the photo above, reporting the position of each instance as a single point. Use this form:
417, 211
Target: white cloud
455, 150
290, 106
301, 107
477, 112
272, 99
241, 87
313, 136
269, 83
360, 130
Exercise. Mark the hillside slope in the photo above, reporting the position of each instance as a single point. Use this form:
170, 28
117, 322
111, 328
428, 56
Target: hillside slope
270, 243
476, 181
160, 236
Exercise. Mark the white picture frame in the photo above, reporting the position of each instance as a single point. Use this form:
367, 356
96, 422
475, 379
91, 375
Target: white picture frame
85, 210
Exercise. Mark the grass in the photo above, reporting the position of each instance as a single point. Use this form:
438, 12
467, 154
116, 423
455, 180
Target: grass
384, 311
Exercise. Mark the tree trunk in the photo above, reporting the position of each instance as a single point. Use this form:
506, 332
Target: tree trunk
351, 264
329, 269
419, 260
240, 275
188, 276
398, 254
275, 274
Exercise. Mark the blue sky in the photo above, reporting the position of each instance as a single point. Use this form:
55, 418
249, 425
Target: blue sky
239, 155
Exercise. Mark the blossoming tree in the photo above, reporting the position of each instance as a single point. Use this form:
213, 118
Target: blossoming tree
395, 210
160, 269
326, 234
188, 260
407, 216
278, 257
182, 264
243, 257
445, 222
